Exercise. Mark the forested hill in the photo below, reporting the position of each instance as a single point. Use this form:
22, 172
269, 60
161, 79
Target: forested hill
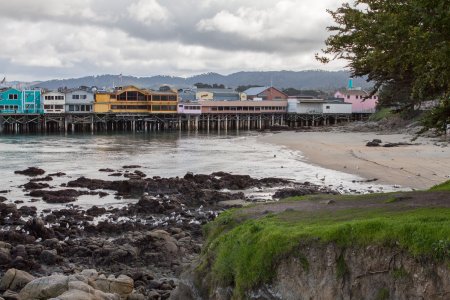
315, 79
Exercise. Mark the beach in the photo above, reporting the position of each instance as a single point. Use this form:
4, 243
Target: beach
418, 166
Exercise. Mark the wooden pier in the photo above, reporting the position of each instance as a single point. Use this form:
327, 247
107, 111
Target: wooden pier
91, 122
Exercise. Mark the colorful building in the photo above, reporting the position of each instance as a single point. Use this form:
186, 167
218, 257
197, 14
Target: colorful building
265, 93
131, 99
358, 100
14, 101
243, 107
53, 102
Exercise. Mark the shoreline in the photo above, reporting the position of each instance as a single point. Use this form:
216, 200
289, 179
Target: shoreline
415, 166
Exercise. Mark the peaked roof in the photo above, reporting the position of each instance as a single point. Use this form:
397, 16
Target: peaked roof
254, 91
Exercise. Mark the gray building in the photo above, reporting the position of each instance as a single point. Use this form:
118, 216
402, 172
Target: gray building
79, 101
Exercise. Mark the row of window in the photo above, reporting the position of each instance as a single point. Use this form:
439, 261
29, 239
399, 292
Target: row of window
54, 97
78, 97
136, 96
9, 107
80, 107
146, 107
188, 107
53, 106
248, 108
362, 97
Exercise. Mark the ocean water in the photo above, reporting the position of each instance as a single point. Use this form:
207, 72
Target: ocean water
166, 154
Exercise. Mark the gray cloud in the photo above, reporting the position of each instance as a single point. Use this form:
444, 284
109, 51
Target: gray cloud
65, 38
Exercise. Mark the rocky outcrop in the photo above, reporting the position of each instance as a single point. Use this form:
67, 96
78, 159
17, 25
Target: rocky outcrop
31, 171
316, 271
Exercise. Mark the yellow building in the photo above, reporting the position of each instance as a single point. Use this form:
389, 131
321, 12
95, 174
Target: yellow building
131, 99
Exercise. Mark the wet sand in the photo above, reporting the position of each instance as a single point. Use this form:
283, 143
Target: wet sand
416, 166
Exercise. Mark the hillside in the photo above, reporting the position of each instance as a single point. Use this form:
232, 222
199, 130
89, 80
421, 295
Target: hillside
378, 246
314, 79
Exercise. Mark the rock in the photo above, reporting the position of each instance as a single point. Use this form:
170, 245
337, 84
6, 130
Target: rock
49, 257
107, 170
31, 171
35, 185
153, 295
132, 167
3, 199
45, 288
115, 174
91, 274
122, 285
60, 196
136, 296
36, 227
58, 174
15, 280
46, 178
96, 211
80, 290
28, 210
372, 144
10, 295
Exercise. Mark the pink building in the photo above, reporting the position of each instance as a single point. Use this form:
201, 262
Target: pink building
356, 98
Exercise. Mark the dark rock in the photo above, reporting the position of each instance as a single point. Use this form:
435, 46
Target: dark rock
58, 174
372, 144
35, 185
132, 167
115, 174
28, 210
96, 211
46, 178
60, 196
31, 171
49, 257
106, 170
37, 228
3, 199
18, 202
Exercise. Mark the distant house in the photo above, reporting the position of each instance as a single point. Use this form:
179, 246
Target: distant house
20, 101
53, 102
79, 101
357, 99
265, 93
219, 95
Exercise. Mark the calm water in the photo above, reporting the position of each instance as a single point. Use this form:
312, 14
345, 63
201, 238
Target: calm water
159, 154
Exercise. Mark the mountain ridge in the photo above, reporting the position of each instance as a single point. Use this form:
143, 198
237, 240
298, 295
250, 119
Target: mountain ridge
310, 79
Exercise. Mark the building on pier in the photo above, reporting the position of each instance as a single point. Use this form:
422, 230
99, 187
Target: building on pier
265, 93
53, 102
243, 107
319, 106
131, 99
79, 101
360, 100
190, 108
14, 101
219, 95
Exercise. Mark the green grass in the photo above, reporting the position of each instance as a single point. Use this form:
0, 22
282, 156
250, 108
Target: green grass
243, 252
445, 186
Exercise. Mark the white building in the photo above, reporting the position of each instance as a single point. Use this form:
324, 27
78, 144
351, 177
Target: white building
79, 101
53, 102
190, 108
318, 106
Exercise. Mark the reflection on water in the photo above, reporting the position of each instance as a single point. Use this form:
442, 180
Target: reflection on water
164, 154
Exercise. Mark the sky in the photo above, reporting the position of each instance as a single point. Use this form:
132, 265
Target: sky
49, 39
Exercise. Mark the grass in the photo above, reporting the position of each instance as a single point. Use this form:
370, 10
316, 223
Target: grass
243, 250
445, 186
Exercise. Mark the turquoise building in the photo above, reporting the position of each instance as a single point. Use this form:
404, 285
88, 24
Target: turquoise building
14, 101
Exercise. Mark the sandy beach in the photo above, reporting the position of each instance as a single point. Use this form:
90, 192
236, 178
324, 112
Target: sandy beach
415, 166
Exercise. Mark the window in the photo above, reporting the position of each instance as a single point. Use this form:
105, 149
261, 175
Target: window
48, 106
84, 97
122, 97
156, 98
75, 97
348, 96
13, 96
71, 108
172, 98
112, 96
59, 106
59, 97
327, 107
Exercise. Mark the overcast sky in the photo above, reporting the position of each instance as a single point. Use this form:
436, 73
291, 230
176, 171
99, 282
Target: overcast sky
72, 38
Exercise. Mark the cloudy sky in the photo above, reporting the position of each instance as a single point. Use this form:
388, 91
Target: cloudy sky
65, 38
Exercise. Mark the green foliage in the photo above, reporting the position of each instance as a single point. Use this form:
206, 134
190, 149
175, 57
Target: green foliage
242, 88
400, 273
381, 114
402, 46
383, 294
445, 186
246, 254
342, 268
